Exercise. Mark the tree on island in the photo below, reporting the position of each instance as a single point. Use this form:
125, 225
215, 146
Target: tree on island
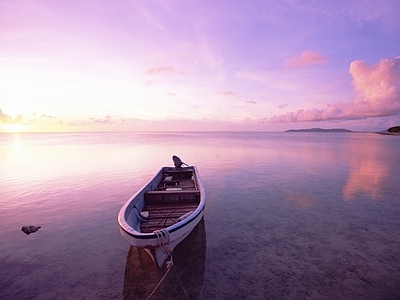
319, 130
395, 129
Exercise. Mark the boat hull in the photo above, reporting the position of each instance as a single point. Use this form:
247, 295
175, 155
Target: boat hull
129, 220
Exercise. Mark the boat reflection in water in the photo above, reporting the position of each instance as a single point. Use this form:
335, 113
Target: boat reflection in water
142, 276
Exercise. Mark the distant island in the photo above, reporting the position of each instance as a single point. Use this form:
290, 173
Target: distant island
395, 130
319, 130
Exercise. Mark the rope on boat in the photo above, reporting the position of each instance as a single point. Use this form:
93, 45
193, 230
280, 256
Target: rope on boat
163, 240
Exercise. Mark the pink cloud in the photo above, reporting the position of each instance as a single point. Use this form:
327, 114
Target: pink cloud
170, 69
378, 87
158, 56
307, 58
228, 93
251, 101
378, 95
183, 55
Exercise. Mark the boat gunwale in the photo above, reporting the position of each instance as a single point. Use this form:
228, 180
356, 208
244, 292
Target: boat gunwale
123, 224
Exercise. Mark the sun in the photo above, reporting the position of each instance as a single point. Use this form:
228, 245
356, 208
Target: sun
13, 128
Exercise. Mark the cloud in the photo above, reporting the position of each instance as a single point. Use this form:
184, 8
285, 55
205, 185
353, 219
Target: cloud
147, 83
170, 94
228, 93
273, 79
307, 58
47, 116
377, 89
6, 119
105, 120
251, 101
158, 56
169, 69
283, 105
183, 55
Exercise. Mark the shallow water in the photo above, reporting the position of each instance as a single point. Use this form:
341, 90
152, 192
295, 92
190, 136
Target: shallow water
288, 216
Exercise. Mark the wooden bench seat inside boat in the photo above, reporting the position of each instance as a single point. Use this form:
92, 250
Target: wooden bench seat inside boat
171, 197
162, 216
176, 196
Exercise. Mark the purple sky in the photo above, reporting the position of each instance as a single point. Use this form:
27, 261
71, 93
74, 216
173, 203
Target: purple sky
209, 65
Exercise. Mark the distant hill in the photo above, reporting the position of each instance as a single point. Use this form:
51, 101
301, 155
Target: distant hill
319, 130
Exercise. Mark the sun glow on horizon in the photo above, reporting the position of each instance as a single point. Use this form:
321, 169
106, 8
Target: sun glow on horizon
14, 128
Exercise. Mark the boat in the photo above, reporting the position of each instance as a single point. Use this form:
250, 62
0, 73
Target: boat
164, 211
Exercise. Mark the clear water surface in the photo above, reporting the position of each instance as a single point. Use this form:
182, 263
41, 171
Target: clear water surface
288, 216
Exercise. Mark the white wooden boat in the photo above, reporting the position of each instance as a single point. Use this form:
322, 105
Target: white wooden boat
164, 211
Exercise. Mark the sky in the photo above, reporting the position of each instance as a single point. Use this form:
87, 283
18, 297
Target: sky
199, 65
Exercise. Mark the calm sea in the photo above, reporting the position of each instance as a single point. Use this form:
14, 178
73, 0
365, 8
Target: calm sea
288, 216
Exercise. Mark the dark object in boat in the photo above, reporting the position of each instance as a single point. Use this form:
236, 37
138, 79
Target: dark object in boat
178, 162
30, 229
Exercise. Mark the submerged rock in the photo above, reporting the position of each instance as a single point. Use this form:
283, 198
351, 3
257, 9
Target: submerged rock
30, 229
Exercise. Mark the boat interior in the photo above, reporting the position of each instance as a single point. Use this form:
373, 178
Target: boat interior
175, 198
